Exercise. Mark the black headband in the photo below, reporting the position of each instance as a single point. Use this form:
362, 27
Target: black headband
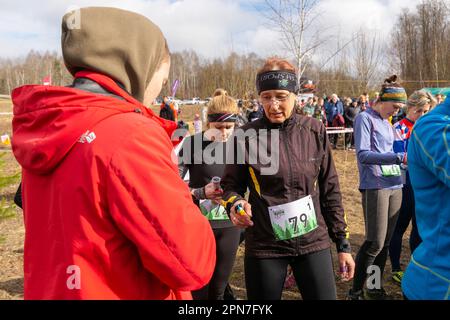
222, 117
277, 80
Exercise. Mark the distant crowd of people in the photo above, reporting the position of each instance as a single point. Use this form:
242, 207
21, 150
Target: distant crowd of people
332, 111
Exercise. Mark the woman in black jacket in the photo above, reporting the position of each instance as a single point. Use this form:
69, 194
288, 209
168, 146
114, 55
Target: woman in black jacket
204, 156
295, 204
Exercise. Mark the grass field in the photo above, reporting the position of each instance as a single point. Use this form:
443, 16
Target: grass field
12, 231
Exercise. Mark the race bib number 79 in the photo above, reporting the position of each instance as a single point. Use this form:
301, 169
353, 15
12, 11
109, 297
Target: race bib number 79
293, 219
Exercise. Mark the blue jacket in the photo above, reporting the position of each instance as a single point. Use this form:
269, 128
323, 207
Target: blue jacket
428, 273
332, 109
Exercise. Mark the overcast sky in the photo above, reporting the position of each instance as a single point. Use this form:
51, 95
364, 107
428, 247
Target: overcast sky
213, 28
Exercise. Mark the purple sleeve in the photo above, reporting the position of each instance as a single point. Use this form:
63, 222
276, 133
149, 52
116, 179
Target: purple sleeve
363, 144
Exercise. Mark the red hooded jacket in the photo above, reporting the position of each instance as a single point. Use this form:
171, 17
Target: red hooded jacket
106, 214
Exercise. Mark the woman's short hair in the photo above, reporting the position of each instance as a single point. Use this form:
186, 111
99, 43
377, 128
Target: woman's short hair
275, 63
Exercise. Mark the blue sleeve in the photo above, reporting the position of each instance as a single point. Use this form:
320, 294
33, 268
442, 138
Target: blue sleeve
340, 108
431, 145
363, 144
329, 112
399, 146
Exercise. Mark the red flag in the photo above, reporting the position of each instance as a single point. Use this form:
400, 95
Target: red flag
47, 81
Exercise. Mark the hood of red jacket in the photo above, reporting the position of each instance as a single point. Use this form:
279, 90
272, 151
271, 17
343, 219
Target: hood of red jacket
48, 121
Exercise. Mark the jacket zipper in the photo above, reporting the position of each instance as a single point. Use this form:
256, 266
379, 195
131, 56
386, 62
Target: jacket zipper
289, 158
286, 144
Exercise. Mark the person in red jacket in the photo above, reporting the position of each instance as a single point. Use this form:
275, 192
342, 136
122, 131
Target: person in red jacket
106, 214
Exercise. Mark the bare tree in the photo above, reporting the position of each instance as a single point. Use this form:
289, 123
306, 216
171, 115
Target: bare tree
294, 19
367, 53
301, 34
421, 44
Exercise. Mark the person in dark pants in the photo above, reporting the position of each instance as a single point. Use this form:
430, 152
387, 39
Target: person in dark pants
334, 108
229, 294
350, 114
405, 217
293, 208
313, 280
222, 116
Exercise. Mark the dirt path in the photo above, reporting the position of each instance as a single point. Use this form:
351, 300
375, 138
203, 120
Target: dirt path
11, 258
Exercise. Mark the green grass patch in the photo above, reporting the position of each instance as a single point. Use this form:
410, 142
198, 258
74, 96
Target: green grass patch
10, 180
7, 208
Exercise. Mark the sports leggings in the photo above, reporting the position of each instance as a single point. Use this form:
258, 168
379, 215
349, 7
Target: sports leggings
381, 209
407, 214
227, 242
314, 275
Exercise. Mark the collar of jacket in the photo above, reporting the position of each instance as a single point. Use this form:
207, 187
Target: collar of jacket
88, 85
375, 113
287, 123
112, 87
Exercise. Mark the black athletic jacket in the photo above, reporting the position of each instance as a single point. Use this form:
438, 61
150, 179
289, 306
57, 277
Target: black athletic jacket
306, 167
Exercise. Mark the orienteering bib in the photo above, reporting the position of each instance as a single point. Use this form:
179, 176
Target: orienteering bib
212, 210
293, 219
391, 170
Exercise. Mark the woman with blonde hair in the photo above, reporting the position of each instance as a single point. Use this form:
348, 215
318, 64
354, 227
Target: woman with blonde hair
418, 104
204, 156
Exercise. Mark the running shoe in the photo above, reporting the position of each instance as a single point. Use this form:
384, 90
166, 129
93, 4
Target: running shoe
355, 295
377, 294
